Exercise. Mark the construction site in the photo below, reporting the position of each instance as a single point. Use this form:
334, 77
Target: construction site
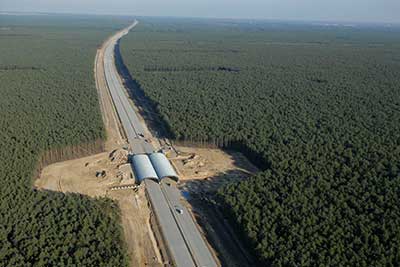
164, 192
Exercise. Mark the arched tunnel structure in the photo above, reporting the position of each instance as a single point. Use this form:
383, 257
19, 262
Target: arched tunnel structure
153, 166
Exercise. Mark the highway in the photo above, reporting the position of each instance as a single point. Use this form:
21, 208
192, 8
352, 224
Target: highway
177, 246
185, 243
133, 128
198, 248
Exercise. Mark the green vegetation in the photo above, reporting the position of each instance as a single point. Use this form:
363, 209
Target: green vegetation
49, 102
317, 108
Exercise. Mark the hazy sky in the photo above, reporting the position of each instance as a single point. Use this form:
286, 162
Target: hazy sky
331, 10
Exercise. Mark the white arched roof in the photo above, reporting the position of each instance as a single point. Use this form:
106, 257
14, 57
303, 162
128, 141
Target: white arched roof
162, 166
143, 168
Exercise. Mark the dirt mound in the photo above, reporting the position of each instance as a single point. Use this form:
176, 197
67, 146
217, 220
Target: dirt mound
119, 157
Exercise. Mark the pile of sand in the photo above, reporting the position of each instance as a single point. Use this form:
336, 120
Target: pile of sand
119, 157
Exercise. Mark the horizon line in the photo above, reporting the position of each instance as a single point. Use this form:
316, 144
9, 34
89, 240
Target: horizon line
27, 13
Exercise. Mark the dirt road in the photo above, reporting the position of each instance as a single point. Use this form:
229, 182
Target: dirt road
115, 135
135, 218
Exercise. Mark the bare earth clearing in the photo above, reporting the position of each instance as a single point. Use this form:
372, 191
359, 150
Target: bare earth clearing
202, 170
79, 176
203, 163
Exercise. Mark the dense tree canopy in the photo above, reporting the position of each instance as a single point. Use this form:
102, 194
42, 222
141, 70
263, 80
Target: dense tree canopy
316, 107
48, 100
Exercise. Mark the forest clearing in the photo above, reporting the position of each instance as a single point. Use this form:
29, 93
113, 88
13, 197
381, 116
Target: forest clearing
285, 137
100, 174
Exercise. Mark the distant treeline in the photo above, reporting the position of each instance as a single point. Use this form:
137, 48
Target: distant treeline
188, 50
174, 69
15, 67
57, 154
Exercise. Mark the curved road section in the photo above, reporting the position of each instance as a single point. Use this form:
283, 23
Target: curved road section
186, 246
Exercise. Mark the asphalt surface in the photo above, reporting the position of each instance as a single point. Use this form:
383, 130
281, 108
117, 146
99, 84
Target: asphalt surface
169, 228
185, 243
194, 240
132, 126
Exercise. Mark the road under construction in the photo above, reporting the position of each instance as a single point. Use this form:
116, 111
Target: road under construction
185, 244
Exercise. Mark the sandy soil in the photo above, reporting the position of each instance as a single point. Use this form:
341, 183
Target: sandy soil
200, 163
138, 236
115, 134
79, 176
207, 169
203, 171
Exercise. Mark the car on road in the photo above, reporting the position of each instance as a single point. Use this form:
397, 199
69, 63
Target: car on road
179, 210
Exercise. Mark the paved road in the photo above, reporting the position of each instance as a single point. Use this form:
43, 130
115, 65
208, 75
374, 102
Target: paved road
132, 126
185, 243
176, 243
200, 252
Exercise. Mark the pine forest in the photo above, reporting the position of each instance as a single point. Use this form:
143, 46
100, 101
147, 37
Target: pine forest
316, 107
